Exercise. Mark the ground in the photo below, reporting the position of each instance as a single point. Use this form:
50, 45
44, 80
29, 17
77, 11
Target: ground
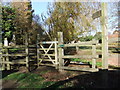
49, 77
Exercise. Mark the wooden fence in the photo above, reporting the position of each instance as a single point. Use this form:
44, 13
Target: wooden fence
6, 60
62, 56
49, 51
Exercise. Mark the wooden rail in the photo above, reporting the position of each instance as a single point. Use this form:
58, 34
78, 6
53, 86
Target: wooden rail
48, 42
57, 58
23, 54
43, 52
77, 45
80, 69
89, 43
5, 56
83, 56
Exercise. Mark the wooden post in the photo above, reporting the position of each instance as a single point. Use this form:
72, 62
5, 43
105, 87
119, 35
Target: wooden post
93, 54
7, 52
104, 36
60, 49
27, 51
56, 54
38, 36
1, 57
77, 49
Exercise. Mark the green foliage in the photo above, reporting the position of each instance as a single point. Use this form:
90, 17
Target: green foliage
23, 21
79, 60
8, 17
68, 17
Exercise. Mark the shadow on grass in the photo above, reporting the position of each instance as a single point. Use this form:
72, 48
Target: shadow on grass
5, 73
100, 79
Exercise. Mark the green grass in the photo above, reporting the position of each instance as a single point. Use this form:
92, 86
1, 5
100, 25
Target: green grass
29, 80
86, 61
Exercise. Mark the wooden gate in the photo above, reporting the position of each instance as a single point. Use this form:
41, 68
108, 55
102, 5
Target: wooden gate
47, 53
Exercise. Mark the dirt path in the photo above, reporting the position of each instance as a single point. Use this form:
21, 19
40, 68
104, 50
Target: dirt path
9, 84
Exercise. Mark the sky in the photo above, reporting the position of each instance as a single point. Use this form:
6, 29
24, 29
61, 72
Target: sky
39, 7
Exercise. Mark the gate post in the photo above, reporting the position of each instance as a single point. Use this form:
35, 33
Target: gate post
27, 51
60, 50
38, 38
7, 52
1, 57
104, 36
56, 54
94, 54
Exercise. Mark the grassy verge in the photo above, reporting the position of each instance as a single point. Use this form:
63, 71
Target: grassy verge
29, 80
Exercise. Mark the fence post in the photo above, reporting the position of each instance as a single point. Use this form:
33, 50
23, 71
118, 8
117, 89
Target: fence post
77, 49
104, 36
93, 54
56, 54
38, 36
27, 51
2, 66
7, 52
60, 49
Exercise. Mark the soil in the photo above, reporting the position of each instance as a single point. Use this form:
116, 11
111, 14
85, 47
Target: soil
55, 75
100, 79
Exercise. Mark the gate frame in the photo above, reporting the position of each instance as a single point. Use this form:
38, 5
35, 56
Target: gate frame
40, 47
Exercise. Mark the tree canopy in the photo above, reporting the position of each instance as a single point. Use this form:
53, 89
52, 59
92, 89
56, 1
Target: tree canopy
23, 20
19, 21
8, 25
72, 18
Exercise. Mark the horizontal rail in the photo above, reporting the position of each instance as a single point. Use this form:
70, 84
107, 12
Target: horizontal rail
14, 54
6, 62
47, 49
14, 62
83, 56
19, 46
17, 54
32, 53
46, 60
48, 42
74, 45
48, 54
30, 46
80, 69
47, 64
89, 43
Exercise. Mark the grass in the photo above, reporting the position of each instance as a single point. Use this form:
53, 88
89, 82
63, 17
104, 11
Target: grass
29, 80
99, 64
32, 80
